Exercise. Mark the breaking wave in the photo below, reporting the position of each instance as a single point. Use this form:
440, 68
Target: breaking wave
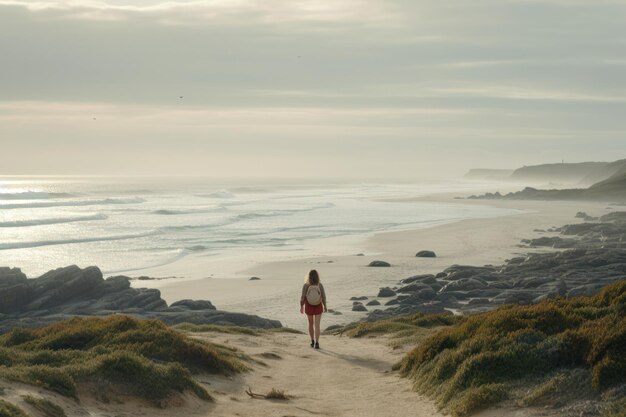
41, 222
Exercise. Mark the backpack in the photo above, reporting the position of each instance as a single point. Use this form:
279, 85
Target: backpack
314, 295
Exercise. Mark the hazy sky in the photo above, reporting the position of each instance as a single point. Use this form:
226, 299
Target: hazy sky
348, 88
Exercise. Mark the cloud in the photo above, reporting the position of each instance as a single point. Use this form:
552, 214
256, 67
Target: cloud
402, 77
215, 11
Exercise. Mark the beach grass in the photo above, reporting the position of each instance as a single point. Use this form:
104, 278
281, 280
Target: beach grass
46, 407
142, 358
403, 330
9, 410
479, 361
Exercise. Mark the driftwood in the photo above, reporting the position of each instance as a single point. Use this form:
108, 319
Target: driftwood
254, 395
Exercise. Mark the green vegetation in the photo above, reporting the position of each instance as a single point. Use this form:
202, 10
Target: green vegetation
9, 410
48, 408
405, 330
479, 361
144, 358
203, 328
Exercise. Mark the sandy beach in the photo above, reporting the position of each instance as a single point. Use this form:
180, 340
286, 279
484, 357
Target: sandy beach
276, 294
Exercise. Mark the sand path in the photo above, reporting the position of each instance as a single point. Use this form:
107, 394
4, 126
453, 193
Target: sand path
347, 377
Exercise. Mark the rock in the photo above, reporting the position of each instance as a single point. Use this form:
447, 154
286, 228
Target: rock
534, 282
194, 304
360, 254
424, 278
597, 258
373, 303
412, 288
456, 272
585, 216
386, 292
478, 301
69, 291
515, 297
614, 216
379, 264
482, 293
426, 294
14, 290
11, 276
543, 297
464, 284
254, 279
451, 296
356, 306
426, 254
358, 298
552, 242
583, 290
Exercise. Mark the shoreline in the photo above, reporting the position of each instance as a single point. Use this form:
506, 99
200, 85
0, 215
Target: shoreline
471, 241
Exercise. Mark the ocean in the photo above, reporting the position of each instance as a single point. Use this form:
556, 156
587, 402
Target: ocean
125, 226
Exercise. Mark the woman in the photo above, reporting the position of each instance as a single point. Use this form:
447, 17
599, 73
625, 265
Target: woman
313, 303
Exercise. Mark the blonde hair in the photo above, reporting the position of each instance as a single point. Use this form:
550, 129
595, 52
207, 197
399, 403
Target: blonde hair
312, 278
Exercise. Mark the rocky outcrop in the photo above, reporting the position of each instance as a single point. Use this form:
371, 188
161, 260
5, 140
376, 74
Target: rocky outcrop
14, 291
426, 254
593, 256
70, 291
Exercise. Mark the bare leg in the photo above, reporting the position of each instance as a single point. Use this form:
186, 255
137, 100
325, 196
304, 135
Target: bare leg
318, 317
311, 326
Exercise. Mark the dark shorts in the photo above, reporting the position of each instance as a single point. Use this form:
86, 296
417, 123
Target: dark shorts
313, 310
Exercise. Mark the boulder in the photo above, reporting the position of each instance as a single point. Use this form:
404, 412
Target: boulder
194, 304
254, 279
426, 254
386, 292
426, 294
373, 303
362, 298
356, 306
378, 264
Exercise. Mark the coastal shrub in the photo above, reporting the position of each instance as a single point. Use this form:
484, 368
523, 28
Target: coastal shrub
148, 358
403, 324
46, 407
496, 349
144, 378
478, 398
9, 410
53, 379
